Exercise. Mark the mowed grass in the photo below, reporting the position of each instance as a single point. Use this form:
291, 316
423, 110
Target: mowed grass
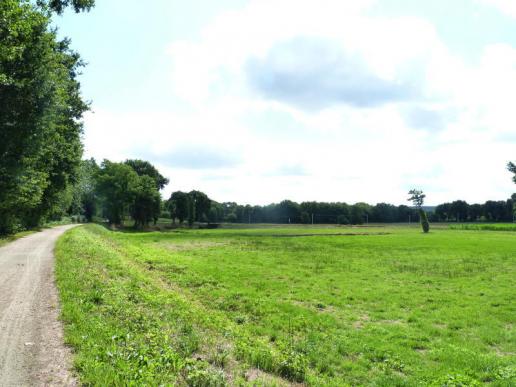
314, 306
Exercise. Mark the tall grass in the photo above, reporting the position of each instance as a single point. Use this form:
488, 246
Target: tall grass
484, 227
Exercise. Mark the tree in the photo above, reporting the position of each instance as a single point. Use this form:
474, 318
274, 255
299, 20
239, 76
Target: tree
84, 200
475, 211
459, 210
144, 168
216, 213
146, 205
385, 213
116, 185
201, 205
417, 198
179, 205
495, 211
289, 212
40, 113
512, 168
443, 211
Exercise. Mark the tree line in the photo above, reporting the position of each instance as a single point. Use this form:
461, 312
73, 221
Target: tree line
40, 114
118, 191
313, 212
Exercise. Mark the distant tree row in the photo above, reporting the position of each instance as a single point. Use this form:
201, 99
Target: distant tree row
131, 189
196, 206
461, 211
183, 209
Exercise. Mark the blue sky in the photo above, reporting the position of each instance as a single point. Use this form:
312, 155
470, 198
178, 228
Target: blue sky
258, 101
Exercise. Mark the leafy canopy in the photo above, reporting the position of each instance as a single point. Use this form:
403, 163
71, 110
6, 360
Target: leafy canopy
40, 117
60, 5
417, 197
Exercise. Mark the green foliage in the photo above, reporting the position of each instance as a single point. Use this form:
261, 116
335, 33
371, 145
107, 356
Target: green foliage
144, 168
85, 199
146, 204
123, 191
179, 206
342, 219
40, 112
60, 5
201, 205
511, 167
192, 206
116, 184
457, 380
203, 306
200, 374
417, 197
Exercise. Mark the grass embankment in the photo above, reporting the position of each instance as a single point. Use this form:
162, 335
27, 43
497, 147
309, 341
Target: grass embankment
209, 307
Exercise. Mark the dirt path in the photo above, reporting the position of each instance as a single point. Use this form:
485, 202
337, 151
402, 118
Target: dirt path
31, 338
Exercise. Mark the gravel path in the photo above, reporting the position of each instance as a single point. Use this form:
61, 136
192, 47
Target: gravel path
32, 352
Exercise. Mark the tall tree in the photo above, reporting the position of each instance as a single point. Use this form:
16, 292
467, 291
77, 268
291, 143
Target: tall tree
512, 168
116, 186
201, 205
84, 195
146, 205
417, 198
459, 210
179, 205
40, 113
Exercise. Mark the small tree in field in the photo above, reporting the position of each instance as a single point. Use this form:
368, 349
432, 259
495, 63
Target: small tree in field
417, 198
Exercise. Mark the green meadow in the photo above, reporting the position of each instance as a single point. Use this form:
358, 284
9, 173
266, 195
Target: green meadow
336, 306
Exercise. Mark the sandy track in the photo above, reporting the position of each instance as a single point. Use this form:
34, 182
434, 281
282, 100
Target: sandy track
32, 352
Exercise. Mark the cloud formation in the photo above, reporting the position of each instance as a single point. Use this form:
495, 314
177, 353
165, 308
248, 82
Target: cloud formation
196, 157
289, 99
316, 73
427, 118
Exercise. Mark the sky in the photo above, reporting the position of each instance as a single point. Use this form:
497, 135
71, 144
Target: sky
256, 101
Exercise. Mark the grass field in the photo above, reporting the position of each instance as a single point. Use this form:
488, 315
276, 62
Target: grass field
485, 226
381, 306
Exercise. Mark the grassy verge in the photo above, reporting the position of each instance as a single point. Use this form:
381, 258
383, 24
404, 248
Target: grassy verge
294, 305
9, 238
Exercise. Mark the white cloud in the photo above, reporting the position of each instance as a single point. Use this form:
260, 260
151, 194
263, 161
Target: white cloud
342, 150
